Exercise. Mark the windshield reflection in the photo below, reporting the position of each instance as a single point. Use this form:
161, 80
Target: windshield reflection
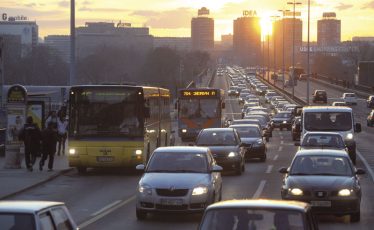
334, 121
178, 162
199, 108
321, 165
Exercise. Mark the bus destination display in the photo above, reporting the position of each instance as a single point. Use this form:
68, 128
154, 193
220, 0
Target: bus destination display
199, 93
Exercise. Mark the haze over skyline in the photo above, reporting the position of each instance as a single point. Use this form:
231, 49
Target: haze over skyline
173, 17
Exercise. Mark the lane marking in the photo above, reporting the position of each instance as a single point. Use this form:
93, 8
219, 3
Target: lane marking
367, 166
270, 167
282, 142
276, 157
280, 148
259, 190
106, 207
106, 212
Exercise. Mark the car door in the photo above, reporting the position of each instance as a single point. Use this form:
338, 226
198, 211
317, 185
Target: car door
215, 177
46, 221
62, 219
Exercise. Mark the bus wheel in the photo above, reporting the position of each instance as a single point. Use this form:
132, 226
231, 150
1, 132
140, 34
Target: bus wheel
82, 170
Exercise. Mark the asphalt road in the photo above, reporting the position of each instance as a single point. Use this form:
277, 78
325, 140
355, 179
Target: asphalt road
105, 199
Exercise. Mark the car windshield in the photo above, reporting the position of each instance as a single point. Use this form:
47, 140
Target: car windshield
323, 140
216, 138
241, 218
321, 165
199, 108
282, 115
178, 162
248, 132
18, 221
328, 121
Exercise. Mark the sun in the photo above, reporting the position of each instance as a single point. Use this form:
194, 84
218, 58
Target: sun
266, 26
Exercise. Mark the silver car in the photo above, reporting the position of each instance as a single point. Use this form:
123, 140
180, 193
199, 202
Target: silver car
36, 215
178, 179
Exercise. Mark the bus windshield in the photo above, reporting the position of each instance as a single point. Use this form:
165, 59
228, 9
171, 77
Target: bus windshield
106, 112
199, 108
328, 121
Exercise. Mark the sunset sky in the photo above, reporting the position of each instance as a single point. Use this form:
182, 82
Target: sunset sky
173, 17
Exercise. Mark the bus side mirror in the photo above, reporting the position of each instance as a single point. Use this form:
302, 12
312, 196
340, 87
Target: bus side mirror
147, 112
223, 105
357, 127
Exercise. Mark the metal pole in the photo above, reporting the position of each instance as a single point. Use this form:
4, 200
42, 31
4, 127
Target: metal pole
268, 58
275, 56
72, 43
293, 51
2, 56
263, 57
283, 69
308, 67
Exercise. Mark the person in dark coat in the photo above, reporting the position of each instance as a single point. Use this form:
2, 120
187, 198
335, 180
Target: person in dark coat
30, 135
49, 141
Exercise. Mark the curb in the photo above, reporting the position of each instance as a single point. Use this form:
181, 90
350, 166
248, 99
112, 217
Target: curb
62, 172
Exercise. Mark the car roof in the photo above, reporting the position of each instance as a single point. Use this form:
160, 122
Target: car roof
26, 206
218, 129
261, 203
182, 149
322, 133
244, 125
327, 109
325, 152
284, 112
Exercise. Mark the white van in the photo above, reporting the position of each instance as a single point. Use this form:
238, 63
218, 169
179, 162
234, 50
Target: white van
350, 98
332, 119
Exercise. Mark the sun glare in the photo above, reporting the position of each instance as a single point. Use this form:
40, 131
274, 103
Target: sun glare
266, 26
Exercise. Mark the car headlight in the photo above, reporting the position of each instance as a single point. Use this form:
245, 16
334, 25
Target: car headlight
138, 152
284, 122
232, 154
199, 191
345, 192
258, 142
72, 151
145, 189
349, 136
184, 130
296, 192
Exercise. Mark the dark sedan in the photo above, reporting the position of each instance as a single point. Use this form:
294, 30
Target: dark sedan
282, 120
226, 147
251, 137
326, 179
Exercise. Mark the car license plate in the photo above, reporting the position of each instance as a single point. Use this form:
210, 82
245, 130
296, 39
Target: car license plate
174, 202
104, 159
321, 203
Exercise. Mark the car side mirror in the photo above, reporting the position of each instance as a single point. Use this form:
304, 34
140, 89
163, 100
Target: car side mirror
283, 170
360, 171
147, 112
217, 168
358, 128
297, 144
140, 167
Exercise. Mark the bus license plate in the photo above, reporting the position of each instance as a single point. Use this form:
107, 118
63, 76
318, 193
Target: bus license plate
174, 202
104, 159
321, 203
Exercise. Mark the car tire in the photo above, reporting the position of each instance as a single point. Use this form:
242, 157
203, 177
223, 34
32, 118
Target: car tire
82, 170
355, 217
141, 215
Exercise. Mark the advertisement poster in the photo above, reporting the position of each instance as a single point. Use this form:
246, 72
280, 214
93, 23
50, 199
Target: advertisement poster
15, 124
35, 110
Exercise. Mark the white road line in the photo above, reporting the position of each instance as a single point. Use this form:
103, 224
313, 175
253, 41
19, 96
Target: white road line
106, 212
106, 207
368, 168
270, 167
259, 190
282, 142
280, 148
276, 157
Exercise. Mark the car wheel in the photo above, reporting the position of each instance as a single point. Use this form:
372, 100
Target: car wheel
82, 170
140, 214
355, 217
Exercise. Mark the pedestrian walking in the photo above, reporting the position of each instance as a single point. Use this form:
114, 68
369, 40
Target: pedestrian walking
62, 126
49, 141
30, 135
52, 118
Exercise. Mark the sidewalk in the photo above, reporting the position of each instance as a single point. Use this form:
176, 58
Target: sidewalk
14, 181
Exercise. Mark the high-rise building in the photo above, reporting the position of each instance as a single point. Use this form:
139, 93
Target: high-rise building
27, 30
329, 30
101, 34
283, 31
60, 45
247, 40
202, 31
227, 40
177, 43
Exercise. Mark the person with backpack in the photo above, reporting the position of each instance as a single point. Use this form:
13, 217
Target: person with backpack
49, 141
30, 135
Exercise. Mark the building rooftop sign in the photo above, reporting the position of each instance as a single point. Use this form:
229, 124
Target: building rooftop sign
249, 13
5, 17
330, 49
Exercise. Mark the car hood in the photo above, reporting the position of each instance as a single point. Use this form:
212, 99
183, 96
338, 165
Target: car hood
176, 180
320, 182
281, 119
249, 140
223, 149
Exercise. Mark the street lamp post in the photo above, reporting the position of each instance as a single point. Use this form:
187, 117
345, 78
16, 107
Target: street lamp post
294, 3
283, 68
72, 43
274, 51
268, 58
308, 53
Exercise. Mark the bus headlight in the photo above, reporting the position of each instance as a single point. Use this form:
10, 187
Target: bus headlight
72, 151
184, 130
138, 152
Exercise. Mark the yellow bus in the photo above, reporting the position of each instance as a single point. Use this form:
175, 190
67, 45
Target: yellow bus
116, 125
